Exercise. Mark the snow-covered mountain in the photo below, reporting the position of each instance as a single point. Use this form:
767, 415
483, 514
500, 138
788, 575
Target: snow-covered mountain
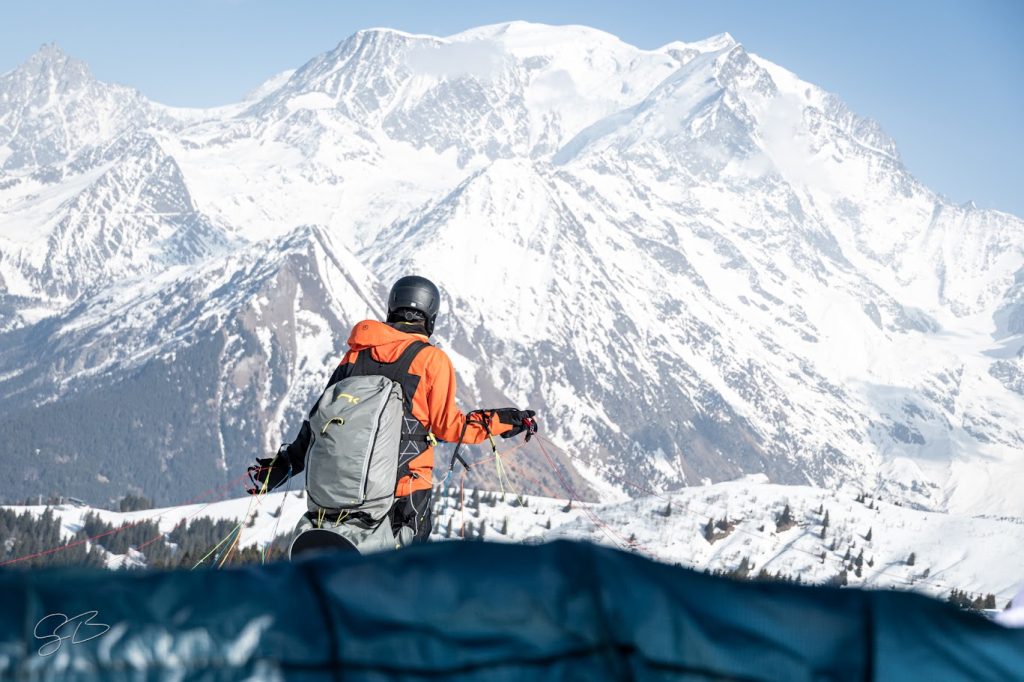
694, 264
132, 217
52, 108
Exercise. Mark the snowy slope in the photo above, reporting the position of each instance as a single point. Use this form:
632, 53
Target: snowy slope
875, 536
695, 264
866, 542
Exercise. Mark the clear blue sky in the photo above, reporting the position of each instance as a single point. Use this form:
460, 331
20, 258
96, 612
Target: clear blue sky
945, 78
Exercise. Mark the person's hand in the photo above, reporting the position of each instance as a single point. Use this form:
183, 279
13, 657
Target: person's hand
268, 473
520, 421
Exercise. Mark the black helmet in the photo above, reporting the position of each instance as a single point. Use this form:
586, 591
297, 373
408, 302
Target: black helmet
417, 293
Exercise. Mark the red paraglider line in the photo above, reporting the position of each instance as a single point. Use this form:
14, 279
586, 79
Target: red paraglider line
112, 531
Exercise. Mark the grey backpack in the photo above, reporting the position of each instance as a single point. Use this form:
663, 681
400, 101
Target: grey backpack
359, 429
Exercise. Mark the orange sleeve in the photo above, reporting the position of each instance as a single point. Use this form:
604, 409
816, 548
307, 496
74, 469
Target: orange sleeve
446, 419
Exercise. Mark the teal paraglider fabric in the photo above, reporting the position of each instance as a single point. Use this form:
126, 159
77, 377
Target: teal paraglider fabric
480, 611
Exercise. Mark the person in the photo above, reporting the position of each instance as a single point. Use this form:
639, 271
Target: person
412, 310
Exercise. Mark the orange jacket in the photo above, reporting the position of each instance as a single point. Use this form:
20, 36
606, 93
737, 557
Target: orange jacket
433, 404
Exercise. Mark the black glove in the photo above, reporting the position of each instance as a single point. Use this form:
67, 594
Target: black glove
268, 473
521, 420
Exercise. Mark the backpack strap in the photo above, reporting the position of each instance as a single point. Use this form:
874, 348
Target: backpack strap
412, 430
403, 363
415, 437
397, 371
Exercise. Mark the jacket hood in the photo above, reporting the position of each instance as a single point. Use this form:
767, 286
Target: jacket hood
387, 342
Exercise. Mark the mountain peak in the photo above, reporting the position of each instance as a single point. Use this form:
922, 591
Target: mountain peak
376, 38
720, 41
51, 60
384, 31
54, 107
533, 36
715, 43
49, 51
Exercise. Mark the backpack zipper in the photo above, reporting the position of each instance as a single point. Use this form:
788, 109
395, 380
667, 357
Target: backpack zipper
339, 420
373, 443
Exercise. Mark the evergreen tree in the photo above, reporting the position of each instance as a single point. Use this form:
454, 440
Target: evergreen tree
784, 521
709, 530
741, 572
130, 503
